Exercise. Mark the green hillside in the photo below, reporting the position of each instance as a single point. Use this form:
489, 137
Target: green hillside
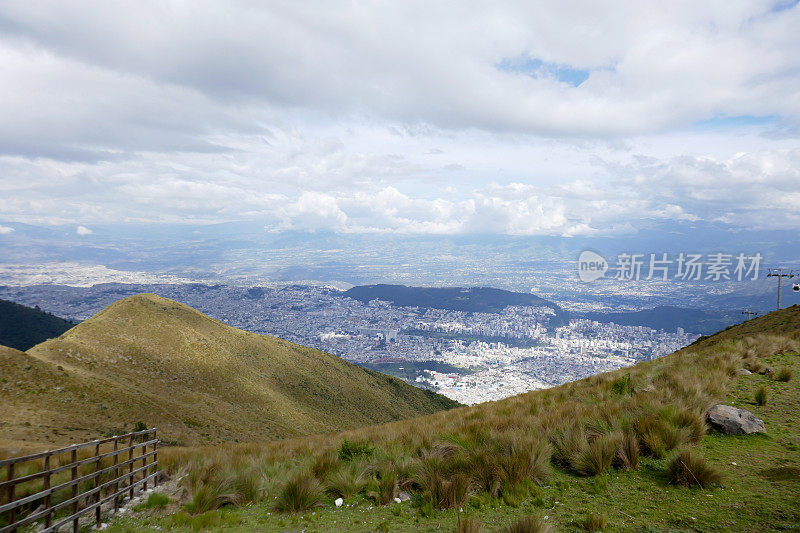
23, 327
150, 359
628, 450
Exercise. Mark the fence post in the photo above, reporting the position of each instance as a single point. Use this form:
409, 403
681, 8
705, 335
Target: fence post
11, 513
74, 457
144, 460
48, 520
155, 458
130, 470
116, 475
97, 483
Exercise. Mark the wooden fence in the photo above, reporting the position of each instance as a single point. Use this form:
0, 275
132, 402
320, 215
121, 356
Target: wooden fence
58, 487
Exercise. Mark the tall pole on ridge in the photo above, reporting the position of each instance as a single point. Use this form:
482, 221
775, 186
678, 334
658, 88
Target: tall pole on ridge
780, 274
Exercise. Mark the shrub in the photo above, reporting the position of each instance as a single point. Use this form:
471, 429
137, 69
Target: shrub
139, 426
529, 524
761, 395
689, 469
468, 524
592, 522
348, 450
597, 457
784, 374
299, 494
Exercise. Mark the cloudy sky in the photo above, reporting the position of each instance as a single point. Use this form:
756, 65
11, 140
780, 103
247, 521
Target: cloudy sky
414, 117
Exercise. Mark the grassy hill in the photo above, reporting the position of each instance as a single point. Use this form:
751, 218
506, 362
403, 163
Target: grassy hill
150, 359
23, 327
627, 450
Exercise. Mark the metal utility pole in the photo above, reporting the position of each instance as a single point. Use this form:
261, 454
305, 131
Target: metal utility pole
750, 314
780, 274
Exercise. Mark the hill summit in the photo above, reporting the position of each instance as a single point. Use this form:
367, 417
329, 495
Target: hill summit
150, 359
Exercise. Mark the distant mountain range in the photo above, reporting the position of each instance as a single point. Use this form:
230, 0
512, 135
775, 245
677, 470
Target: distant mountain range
23, 327
471, 299
150, 359
670, 318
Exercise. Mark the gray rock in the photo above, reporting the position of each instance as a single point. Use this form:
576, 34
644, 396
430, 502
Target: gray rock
733, 421
743, 372
404, 496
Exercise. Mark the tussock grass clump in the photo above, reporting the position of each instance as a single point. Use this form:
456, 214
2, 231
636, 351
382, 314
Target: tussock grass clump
568, 444
301, 493
784, 374
592, 522
348, 480
210, 487
468, 524
441, 485
598, 455
627, 456
529, 524
761, 395
689, 469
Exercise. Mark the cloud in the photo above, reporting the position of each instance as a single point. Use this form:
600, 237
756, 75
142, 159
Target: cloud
83, 230
567, 69
5, 230
406, 117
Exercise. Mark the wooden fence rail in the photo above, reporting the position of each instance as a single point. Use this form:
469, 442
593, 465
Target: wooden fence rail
60, 486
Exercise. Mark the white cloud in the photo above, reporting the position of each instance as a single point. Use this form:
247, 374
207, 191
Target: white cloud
394, 117
83, 230
5, 230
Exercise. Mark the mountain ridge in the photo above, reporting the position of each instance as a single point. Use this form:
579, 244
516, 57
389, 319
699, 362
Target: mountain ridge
147, 358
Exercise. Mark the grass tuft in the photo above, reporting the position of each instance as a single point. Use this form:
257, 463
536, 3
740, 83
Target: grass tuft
529, 524
156, 500
784, 374
593, 522
301, 493
468, 524
761, 395
598, 456
688, 469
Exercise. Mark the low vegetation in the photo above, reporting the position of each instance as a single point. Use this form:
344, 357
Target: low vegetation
622, 450
761, 395
689, 469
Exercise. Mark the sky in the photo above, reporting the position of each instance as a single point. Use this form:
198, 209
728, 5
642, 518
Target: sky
417, 118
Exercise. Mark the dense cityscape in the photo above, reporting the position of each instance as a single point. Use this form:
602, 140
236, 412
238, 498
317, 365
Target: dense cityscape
469, 356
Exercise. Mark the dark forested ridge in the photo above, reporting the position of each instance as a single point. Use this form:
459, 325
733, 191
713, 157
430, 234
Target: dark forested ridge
669, 318
472, 299
23, 327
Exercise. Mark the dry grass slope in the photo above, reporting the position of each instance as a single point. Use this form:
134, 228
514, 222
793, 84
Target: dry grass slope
510, 450
147, 358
